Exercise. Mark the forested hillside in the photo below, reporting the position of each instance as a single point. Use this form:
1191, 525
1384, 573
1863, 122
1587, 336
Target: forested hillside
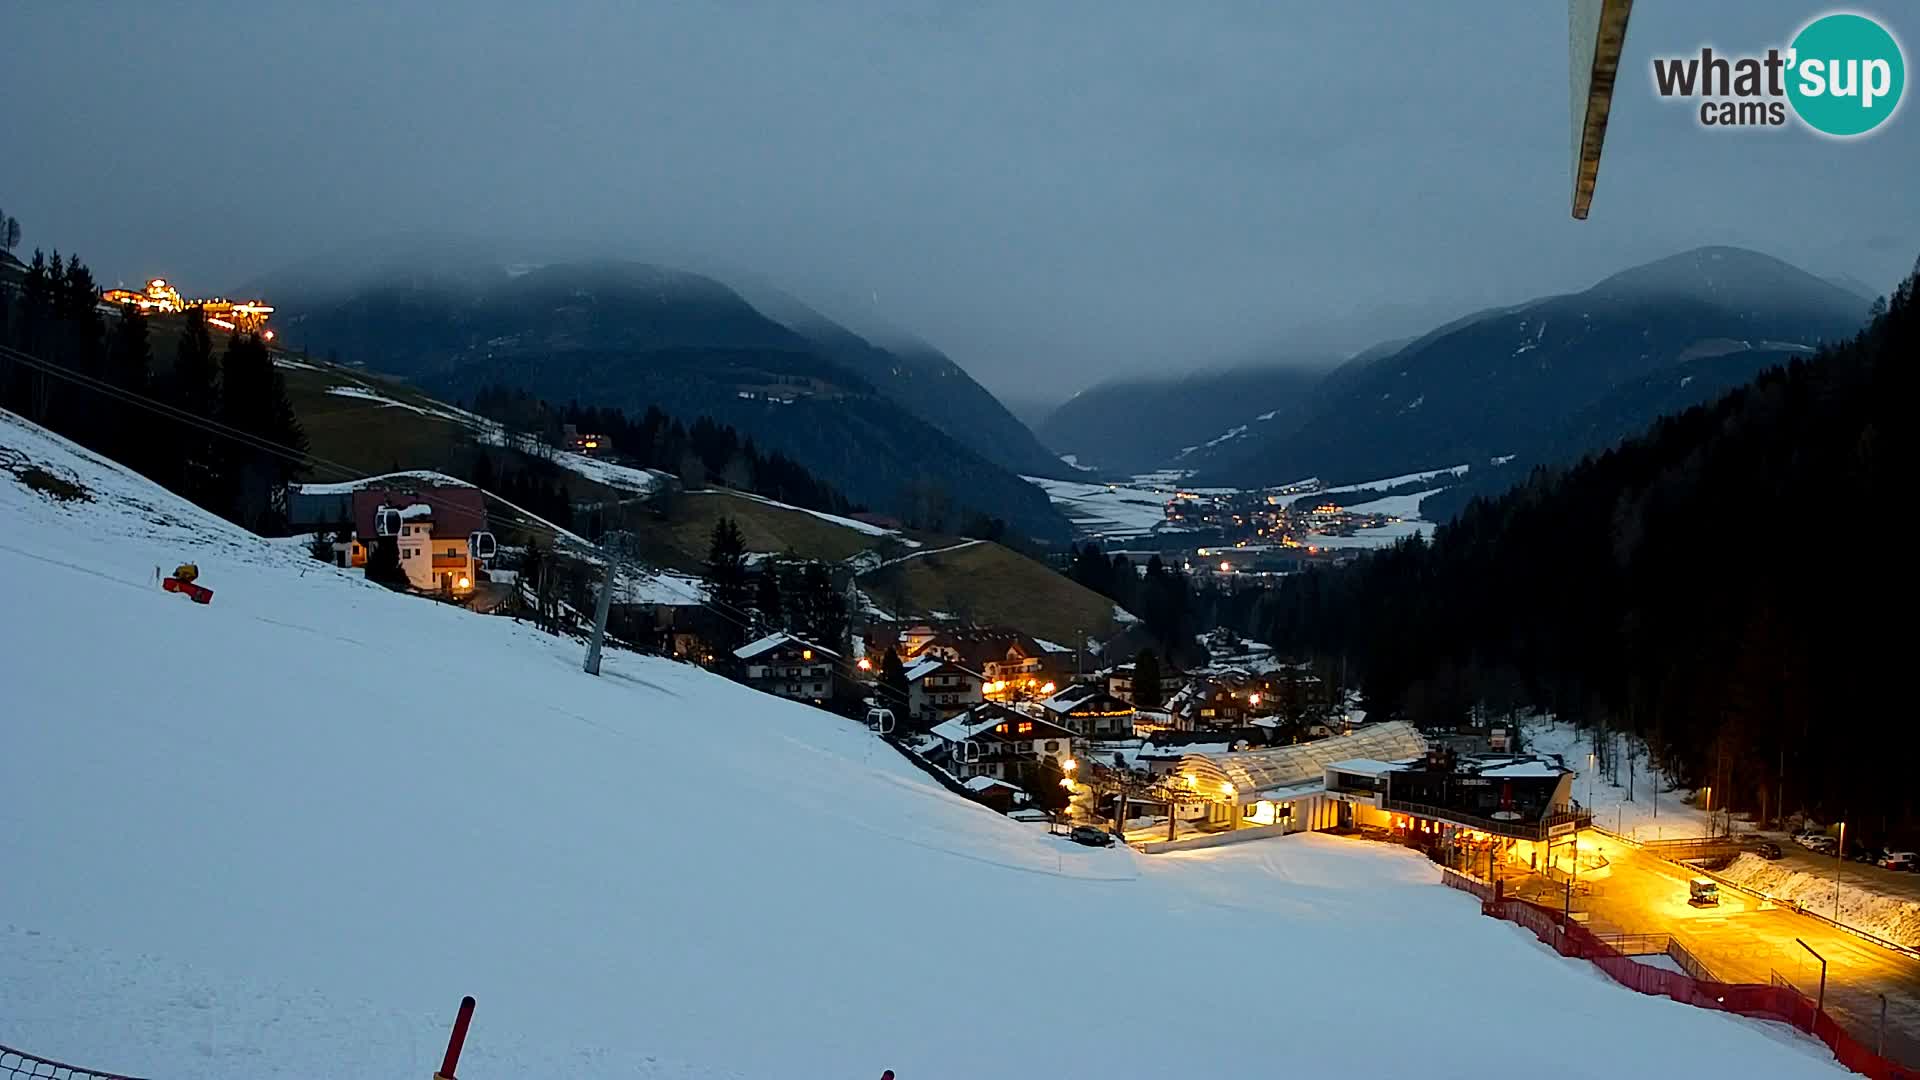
1720, 584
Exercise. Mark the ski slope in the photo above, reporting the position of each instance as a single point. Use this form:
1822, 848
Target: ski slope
281, 835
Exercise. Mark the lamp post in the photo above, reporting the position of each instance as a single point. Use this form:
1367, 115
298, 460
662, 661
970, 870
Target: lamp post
1838, 850
1233, 806
1821, 1005
1706, 793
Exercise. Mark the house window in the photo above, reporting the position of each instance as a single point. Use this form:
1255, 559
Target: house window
1053, 745
1026, 727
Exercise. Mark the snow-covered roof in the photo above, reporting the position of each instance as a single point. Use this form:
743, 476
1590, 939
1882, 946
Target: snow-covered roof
1065, 700
416, 511
1522, 769
984, 783
773, 641
925, 667
972, 722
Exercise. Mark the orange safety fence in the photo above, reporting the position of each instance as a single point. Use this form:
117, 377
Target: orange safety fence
1782, 1003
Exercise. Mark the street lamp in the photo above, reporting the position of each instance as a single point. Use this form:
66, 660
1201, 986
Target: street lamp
1821, 1005
1233, 805
1838, 851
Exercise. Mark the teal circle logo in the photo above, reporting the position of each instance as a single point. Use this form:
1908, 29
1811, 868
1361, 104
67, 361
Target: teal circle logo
1846, 76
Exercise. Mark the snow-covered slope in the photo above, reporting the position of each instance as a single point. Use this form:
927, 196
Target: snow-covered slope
279, 836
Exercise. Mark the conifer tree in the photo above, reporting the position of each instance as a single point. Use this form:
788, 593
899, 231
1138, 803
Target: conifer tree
253, 399
132, 434
726, 574
193, 386
1146, 680
893, 685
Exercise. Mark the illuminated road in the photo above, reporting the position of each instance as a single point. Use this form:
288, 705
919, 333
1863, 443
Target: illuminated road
1744, 940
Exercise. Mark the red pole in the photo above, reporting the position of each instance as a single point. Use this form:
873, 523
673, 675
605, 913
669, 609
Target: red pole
457, 1040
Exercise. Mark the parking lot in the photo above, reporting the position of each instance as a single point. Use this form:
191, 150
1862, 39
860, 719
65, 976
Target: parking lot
1888, 882
1749, 941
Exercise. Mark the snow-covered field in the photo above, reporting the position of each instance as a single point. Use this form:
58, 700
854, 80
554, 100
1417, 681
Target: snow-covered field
1108, 511
279, 836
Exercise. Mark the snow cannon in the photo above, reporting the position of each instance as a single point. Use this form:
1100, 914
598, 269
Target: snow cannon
185, 580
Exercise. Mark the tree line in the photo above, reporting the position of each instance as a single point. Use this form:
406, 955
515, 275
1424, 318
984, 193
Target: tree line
1718, 586
94, 379
706, 453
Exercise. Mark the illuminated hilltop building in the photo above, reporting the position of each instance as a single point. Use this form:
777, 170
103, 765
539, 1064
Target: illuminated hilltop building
242, 316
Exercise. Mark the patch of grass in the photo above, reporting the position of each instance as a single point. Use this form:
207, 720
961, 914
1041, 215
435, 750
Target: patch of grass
988, 583
765, 528
42, 480
369, 437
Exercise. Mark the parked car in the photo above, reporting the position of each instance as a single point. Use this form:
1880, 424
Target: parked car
1091, 836
1823, 845
1867, 854
1899, 860
1767, 849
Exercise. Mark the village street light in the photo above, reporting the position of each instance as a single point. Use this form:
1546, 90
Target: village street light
1233, 806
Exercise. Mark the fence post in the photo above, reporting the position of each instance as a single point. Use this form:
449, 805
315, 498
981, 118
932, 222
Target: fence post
457, 1040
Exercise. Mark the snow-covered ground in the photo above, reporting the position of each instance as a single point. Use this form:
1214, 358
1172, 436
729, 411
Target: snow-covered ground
1894, 918
1670, 816
1108, 511
1402, 506
1384, 536
1453, 473
619, 477
416, 476
280, 835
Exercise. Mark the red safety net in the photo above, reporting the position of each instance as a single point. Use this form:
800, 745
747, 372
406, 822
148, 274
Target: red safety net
1781, 1003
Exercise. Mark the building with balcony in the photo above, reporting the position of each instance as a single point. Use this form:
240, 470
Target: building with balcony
785, 666
1476, 809
994, 741
1089, 711
937, 689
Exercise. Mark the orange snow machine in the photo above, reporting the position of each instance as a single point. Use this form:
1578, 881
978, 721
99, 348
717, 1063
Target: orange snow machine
185, 580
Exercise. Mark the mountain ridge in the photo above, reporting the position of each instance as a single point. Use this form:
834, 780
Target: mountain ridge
628, 334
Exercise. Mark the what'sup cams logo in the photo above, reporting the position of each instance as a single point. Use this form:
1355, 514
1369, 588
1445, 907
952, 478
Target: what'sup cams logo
1842, 76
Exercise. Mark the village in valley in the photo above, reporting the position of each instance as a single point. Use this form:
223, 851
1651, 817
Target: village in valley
1099, 739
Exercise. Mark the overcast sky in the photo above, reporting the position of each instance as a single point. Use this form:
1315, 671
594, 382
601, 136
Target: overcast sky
1054, 192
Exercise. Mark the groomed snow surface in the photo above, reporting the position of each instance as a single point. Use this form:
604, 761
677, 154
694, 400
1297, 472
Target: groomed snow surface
281, 835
